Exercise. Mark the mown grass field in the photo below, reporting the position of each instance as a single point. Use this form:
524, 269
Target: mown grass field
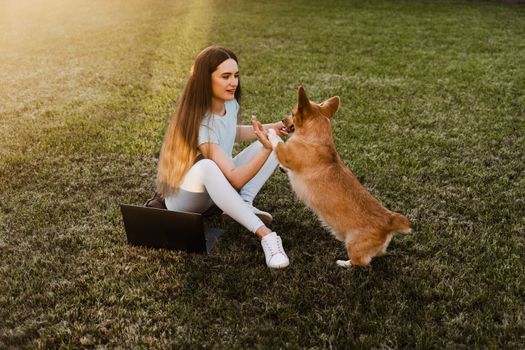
432, 122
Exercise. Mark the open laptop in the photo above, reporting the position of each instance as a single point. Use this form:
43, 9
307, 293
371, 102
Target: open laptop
174, 230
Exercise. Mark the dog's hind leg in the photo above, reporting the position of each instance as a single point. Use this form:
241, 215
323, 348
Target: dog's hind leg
346, 239
348, 242
362, 249
382, 251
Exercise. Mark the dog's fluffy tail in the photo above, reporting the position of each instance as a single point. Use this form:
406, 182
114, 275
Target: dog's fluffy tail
399, 223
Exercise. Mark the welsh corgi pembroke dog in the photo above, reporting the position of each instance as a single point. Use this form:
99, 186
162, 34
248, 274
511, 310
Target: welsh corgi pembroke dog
320, 179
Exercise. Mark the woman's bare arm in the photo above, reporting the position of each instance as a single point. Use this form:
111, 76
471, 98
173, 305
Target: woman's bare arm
246, 133
240, 175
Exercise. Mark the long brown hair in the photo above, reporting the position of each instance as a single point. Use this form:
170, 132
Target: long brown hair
179, 149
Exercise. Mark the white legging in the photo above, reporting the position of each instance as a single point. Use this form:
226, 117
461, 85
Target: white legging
205, 184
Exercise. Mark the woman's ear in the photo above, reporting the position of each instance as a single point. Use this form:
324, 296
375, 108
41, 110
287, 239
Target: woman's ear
330, 106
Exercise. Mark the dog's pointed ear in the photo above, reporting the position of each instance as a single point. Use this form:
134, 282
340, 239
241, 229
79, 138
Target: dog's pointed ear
330, 106
303, 103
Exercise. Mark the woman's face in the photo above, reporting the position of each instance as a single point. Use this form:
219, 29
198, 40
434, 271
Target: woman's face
224, 80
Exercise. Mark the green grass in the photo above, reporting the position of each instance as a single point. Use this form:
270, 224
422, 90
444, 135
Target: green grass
432, 122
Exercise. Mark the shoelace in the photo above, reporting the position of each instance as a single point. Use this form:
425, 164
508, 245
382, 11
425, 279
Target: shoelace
277, 244
280, 245
270, 247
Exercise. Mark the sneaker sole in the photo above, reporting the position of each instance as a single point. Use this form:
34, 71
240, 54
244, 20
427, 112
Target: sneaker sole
281, 266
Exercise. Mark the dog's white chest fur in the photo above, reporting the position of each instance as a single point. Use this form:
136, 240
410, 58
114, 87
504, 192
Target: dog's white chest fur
304, 193
299, 187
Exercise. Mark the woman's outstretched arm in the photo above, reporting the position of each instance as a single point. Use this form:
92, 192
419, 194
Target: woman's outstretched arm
246, 132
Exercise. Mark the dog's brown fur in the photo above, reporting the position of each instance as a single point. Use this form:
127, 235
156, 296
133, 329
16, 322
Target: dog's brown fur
320, 179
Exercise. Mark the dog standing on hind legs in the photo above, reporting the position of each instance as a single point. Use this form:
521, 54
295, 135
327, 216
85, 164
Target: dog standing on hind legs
320, 179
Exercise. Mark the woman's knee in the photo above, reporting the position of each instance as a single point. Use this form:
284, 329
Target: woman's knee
208, 165
196, 176
209, 168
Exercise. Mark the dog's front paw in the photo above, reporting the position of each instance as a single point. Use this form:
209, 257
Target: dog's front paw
344, 263
274, 139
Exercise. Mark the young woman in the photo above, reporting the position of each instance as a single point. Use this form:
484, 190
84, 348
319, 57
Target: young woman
196, 168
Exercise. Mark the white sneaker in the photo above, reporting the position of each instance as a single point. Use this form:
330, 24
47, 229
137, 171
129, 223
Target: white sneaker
274, 253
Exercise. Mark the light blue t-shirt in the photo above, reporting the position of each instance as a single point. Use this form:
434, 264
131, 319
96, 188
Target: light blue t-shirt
220, 129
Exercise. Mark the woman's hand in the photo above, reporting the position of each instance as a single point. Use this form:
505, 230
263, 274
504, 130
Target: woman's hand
280, 128
262, 135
